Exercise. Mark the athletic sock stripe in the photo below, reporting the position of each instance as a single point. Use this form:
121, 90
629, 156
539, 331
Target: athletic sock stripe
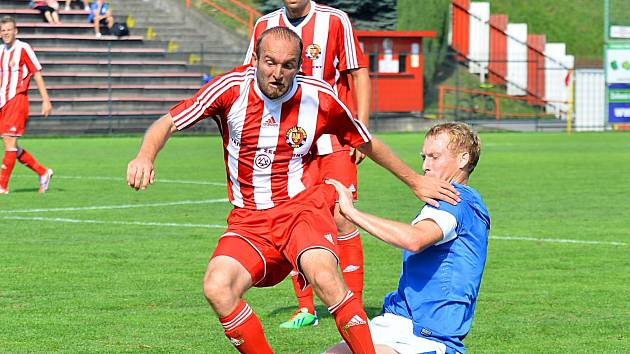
335, 307
239, 319
348, 236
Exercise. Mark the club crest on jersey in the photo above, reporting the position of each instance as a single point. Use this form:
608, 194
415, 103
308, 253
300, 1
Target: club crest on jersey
296, 137
313, 51
262, 161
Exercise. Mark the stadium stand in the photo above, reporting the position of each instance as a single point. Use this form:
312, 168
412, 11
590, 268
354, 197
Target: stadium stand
121, 84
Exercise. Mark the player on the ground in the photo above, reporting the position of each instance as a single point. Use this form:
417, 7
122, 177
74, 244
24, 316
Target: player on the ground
444, 253
18, 64
270, 117
331, 53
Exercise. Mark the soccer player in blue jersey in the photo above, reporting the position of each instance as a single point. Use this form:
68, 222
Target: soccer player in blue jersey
444, 253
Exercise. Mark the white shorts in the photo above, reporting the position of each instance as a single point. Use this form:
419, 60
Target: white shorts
396, 332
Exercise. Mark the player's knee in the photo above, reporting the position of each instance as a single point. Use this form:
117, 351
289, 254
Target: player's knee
216, 287
326, 279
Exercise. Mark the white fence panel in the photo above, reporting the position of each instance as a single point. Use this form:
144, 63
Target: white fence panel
517, 59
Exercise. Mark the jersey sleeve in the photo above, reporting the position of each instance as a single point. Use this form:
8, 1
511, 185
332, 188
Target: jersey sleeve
350, 56
258, 29
340, 123
30, 60
446, 216
207, 102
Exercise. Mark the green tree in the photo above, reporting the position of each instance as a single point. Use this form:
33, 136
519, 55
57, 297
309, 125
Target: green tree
431, 15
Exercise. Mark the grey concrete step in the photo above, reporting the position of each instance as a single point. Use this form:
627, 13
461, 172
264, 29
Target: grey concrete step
87, 40
128, 78
70, 104
117, 66
117, 90
101, 53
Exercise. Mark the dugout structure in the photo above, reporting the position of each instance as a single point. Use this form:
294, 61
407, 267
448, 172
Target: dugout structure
396, 69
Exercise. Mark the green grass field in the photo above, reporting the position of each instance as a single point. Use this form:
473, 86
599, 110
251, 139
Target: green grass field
93, 266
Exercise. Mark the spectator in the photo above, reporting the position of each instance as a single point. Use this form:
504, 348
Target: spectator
85, 4
48, 9
100, 16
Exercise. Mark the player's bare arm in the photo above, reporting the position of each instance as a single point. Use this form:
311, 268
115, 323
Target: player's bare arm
46, 105
413, 238
428, 189
361, 89
140, 171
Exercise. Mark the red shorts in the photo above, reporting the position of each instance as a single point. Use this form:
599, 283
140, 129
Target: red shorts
338, 165
14, 115
268, 243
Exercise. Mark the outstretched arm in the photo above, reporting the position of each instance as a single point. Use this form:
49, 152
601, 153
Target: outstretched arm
361, 89
140, 172
413, 238
428, 189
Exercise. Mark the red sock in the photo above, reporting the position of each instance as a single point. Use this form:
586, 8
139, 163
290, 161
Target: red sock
304, 297
8, 162
351, 262
29, 161
352, 323
243, 329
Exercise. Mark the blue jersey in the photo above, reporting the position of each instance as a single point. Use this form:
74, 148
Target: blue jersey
438, 287
94, 9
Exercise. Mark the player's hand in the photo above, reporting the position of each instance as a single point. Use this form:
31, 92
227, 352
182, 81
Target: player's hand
431, 189
345, 195
46, 108
140, 173
357, 156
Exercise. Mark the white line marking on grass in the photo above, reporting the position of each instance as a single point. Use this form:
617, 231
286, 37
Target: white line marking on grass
556, 240
120, 179
124, 206
139, 223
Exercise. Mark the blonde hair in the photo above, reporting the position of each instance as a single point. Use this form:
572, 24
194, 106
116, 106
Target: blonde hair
8, 19
461, 139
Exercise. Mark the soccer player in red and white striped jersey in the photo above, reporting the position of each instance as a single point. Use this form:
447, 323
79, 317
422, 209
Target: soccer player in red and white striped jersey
18, 64
270, 118
332, 53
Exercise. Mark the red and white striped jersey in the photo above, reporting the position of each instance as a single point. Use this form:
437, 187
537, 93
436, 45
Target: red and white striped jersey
330, 48
267, 143
17, 66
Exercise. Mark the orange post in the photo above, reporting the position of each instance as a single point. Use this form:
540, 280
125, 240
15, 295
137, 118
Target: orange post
497, 108
441, 103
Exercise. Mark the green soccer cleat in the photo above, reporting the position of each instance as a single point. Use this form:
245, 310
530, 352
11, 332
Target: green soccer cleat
300, 319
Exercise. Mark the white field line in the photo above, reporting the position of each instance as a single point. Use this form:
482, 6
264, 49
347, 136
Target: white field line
140, 223
123, 206
215, 226
121, 179
556, 240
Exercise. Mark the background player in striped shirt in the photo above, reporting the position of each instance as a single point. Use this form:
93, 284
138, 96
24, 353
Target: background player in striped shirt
444, 253
18, 64
270, 118
331, 53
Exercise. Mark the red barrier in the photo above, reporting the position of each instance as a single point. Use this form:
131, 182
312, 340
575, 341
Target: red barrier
497, 67
461, 27
536, 69
252, 14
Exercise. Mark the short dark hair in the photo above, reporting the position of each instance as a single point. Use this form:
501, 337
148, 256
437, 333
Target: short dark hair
461, 139
283, 33
8, 19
